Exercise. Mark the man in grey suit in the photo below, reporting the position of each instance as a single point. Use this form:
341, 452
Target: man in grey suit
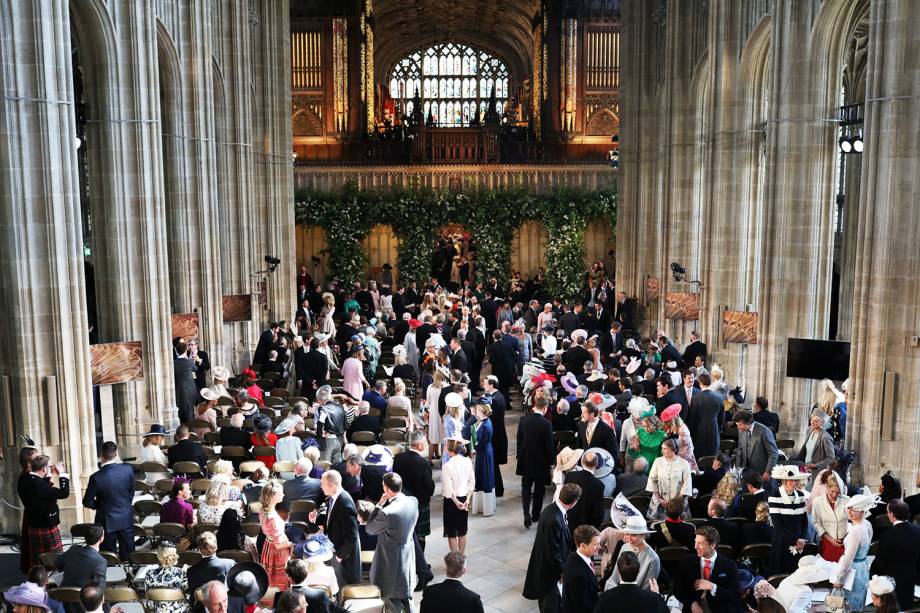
393, 521
756, 445
705, 419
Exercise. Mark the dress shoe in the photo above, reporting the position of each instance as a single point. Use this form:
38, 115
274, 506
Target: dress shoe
527, 523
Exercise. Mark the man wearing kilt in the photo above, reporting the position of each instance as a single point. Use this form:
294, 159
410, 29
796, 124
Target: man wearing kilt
40, 500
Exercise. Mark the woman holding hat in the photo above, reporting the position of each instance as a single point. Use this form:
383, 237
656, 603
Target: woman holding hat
669, 478
27, 598
649, 437
167, 574
317, 551
634, 533
853, 569
457, 483
151, 452
790, 521
677, 430
484, 494
264, 437
882, 591
206, 411
277, 548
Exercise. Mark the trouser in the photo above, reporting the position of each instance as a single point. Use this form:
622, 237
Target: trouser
397, 605
331, 450
124, 539
550, 602
499, 482
533, 490
422, 568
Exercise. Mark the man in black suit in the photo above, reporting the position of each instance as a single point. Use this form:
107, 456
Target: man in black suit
695, 348
729, 531
341, 526
571, 320
611, 344
110, 492
575, 358
234, 435
209, 567
754, 494
473, 359
451, 594
401, 327
603, 316
297, 571
458, 359
218, 600
669, 352
627, 596
266, 341
624, 311
668, 395
594, 432
589, 510
579, 581
914, 501
83, 563
551, 548
708, 576
365, 422
499, 434
186, 450
534, 459
704, 420
503, 359
303, 486
763, 415
899, 553
315, 369
415, 470
673, 530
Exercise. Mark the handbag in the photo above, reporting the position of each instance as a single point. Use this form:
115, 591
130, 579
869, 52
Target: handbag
836, 602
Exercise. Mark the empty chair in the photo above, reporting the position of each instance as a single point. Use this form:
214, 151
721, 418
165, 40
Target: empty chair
279, 392
169, 531
146, 508
364, 597
363, 436
119, 594
144, 558
187, 558
189, 469
251, 466
66, 595
200, 486
237, 555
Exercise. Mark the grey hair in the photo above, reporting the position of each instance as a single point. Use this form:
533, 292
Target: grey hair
640, 465
324, 393
582, 389
210, 585
303, 466
563, 407
649, 373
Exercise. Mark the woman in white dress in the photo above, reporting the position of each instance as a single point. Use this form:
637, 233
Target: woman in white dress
669, 478
454, 415
829, 517
435, 425
853, 568
151, 452
326, 325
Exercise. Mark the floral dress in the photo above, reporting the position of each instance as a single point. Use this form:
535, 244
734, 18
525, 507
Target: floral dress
685, 446
166, 576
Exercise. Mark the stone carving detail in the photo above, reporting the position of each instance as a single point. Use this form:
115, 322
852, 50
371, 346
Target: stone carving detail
603, 122
682, 305
307, 123
740, 327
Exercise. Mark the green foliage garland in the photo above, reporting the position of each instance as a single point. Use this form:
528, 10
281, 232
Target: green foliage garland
491, 216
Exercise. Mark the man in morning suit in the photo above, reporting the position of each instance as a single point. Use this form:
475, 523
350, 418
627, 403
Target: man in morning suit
589, 510
756, 445
303, 486
209, 567
534, 459
899, 553
83, 563
695, 348
627, 596
110, 492
667, 395
708, 576
705, 419
341, 526
451, 594
551, 548
266, 341
579, 581
594, 432
499, 434
186, 450
393, 521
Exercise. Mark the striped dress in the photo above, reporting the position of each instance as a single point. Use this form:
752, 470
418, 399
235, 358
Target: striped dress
790, 523
276, 551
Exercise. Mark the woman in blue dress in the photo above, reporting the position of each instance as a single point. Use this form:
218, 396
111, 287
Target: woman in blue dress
484, 494
853, 573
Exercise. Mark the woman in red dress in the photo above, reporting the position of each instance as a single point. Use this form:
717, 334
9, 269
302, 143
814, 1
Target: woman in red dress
277, 549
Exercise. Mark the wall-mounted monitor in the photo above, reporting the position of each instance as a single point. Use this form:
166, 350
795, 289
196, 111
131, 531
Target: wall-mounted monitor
813, 359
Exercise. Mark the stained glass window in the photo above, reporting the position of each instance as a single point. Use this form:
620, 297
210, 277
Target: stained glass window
438, 74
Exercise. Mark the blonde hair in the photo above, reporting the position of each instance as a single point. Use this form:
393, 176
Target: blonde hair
653, 421
312, 453
455, 412
827, 396
438, 378
675, 424
167, 554
267, 498
398, 386
223, 467
216, 494
484, 409
762, 512
727, 487
716, 372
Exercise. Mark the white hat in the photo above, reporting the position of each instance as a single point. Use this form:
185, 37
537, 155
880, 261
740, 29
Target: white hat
596, 375
453, 399
576, 333
606, 464
788, 471
458, 438
812, 569
221, 373
637, 406
320, 337
635, 524
208, 394
633, 365
881, 585
863, 502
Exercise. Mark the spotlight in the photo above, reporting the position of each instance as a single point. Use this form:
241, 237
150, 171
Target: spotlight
858, 143
845, 145
77, 142
272, 262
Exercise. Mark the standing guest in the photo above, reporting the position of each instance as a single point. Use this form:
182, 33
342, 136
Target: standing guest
579, 581
817, 453
377, 397
829, 517
451, 594
637, 407
177, 510
25, 464
40, 504
353, 380
277, 547
695, 348
593, 431
756, 445
186, 450
534, 459
209, 567
315, 369
634, 532
417, 479
330, 425
83, 563
303, 486
503, 358
627, 595
288, 448
110, 492
454, 417
168, 574
668, 479
855, 549
705, 418
438, 386
763, 415
202, 364
457, 483
484, 494
649, 437
186, 392
499, 434
882, 590
676, 430
552, 546
790, 522
340, 523
316, 599
899, 553
393, 521
589, 510
708, 581
266, 342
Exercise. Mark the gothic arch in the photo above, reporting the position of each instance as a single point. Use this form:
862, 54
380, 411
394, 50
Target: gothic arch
306, 122
830, 35
603, 122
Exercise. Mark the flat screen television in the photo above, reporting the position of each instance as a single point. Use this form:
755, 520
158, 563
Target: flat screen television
812, 359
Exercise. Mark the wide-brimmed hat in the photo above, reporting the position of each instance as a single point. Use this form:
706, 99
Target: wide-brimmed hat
221, 373
387, 266
635, 524
155, 430
881, 585
788, 471
248, 580
318, 548
670, 412
604, 460
863, 502
327, 296
286, 424
596, 375
812, 569
747, 580
378, 455
568, 458
601, 401
414, 323
637, 407
29, 594
453, 399
531, 370
320, 337
458, 438
208, 394
262, 424
569, 382
576, 333
633, 365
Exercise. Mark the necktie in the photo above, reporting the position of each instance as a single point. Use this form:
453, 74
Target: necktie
707, 568
689, 395
329, 503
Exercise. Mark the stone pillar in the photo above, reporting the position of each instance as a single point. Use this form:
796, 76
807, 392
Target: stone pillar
45, 362
887, 260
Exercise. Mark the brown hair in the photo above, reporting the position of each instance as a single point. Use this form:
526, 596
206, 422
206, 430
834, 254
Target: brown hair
710, 534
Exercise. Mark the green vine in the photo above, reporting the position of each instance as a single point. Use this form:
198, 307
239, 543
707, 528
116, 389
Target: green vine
490, 216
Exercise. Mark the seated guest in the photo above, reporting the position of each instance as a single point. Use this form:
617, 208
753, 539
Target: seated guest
365, 422
764, 416
39, 576
316, 599
167, 574
708, 581
562, 417
368, 541
313, 454
288, 448
753, 494
579, 581
350, 469
217, 599
317, 551
30, 598
209, 567
706, 482
377, 397
273, 364
83, 563
729, 531
234, 435
92, 597
186, 450
627, 595
378, 460
263, 437
151, 452
451, 594
673, 530
215, 503
303, 486
177, 509
881, 589
760, 530
222, 470
634, 533
635, 482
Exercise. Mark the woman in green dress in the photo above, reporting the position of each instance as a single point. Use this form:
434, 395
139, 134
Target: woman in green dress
649, 437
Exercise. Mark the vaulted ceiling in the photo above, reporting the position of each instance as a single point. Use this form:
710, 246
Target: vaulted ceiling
502, 27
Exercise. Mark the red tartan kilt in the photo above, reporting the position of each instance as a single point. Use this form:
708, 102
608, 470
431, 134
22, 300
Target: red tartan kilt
42, 540
275, 560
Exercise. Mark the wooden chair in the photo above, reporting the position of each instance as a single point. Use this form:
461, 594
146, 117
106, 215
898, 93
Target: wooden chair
705, 462
361, 597
250, 528
199, 529
225, 401
274, 401
49, 560
726, 550
231, 452
300, 509
272, 375
169, 531
324, 464
200, 486
758, 554
118, 595
66, 595
189, 469
165, 594
265, 384
641, 502
155, 467
279, 392
394, 423
390, 437
140, 487
283, 467
189, 557
727, 445
110, 558
251, 466
211, 438
363, 437
146, 508
163, 487
144, 558
223, 422
202, 424
237, 555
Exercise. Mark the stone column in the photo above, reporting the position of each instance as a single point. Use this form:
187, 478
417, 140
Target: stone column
887, 260
44, 366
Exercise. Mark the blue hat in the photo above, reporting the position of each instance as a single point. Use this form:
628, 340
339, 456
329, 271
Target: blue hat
378, 455
318, 548
746, 580
484, 400
155, 430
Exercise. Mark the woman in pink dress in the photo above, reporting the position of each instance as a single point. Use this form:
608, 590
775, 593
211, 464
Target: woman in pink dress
353, 380
277, 549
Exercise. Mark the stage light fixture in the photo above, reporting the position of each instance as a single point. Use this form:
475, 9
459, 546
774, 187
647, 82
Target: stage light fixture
845, 145
858, 143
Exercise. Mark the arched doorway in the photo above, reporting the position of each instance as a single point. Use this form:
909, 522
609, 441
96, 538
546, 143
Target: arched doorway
528, 249
382, 249
453, 256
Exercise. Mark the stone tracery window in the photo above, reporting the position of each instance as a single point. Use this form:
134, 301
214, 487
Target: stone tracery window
453, 81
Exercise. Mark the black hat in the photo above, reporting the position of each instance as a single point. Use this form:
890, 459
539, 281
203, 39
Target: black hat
248, 580
387, 266
155, 430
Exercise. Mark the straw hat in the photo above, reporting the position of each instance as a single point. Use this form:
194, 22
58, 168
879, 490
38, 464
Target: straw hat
576, 333
568, 458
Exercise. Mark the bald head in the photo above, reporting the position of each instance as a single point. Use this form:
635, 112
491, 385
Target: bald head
215, 597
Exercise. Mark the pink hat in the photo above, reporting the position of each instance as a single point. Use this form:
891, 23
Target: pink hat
670, 412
